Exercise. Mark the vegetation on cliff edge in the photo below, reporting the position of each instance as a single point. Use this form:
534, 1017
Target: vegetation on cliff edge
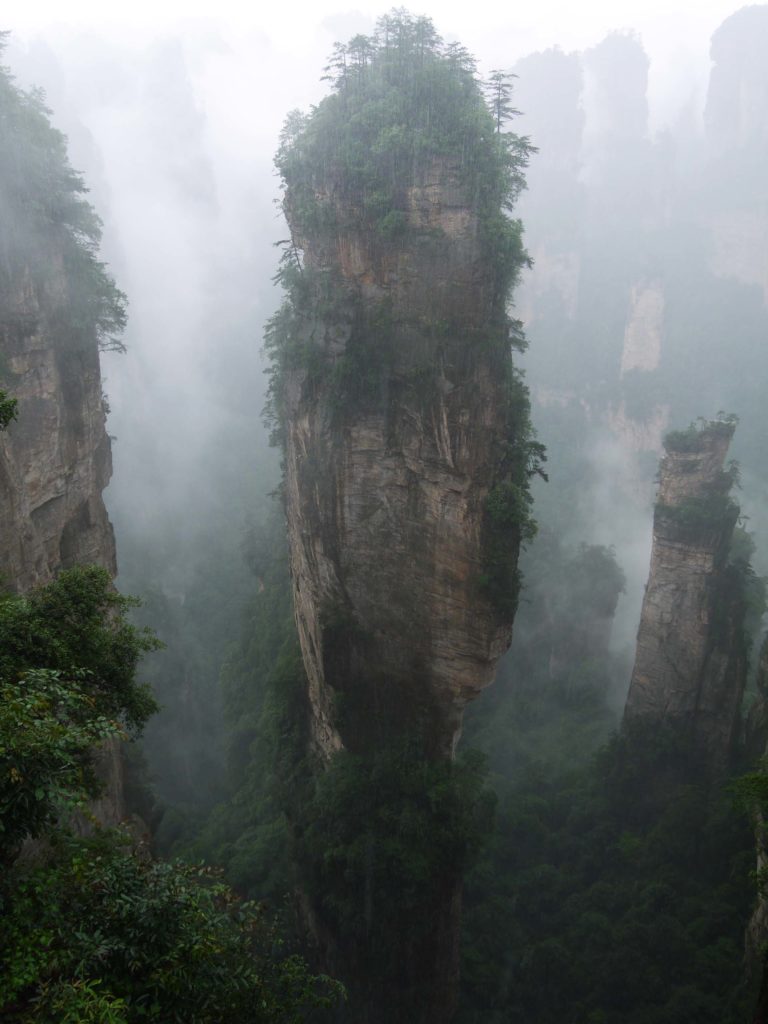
49, 232
93, 929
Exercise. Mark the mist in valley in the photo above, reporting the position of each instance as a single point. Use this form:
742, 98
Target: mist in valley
174, 124
645, 307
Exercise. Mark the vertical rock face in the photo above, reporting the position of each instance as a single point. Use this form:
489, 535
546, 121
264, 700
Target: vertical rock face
691, 658
57, 306
407, 455
386, 498
404, 424
55, 460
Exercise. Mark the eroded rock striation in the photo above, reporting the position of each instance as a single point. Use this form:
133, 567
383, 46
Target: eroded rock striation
691, 659
58, 308
408, 450
55, 460
393, 451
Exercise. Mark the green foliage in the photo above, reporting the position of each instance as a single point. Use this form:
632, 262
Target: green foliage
48, 729
94, 930
78, 624
400, 99
8, 409
393, 224
715, 512
696, 435
387, 824
586, 905
68, 658
382, 841
44, 214
752, 590
509, 505
498, 89
99, 933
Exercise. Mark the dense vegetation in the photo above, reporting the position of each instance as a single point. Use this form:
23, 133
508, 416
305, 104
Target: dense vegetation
401, 99
374, 840
93, 929
584, 905
606, 894
579, 902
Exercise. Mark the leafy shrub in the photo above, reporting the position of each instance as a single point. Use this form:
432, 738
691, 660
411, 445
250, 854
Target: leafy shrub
100, 933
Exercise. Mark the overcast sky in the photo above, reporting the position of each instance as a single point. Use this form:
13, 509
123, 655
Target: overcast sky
675, 34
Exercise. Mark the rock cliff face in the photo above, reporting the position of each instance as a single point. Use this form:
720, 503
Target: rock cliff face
690, 666
55, 460
407, 451
386, 498
58, 305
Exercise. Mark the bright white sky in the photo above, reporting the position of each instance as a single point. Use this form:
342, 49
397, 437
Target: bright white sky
675, 34
290, 24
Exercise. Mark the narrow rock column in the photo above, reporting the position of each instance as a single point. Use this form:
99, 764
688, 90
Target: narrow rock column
690, 665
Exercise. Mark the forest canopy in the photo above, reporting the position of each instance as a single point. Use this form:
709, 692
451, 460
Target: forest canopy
400, 99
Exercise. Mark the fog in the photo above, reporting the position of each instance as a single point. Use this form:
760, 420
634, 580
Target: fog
173, 113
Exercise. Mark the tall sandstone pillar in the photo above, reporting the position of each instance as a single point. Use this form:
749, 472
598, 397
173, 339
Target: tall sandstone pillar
58, 307
691, 659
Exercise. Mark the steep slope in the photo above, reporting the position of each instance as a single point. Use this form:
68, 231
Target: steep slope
405, 427
407, 452
690, 667
55, 460
58, 307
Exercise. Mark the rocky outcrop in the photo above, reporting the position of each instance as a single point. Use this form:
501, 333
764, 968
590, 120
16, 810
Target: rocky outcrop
387, 487
55, 460
407, 456
690, 665
57, 307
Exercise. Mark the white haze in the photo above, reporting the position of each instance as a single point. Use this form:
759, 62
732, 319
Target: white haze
173, 112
